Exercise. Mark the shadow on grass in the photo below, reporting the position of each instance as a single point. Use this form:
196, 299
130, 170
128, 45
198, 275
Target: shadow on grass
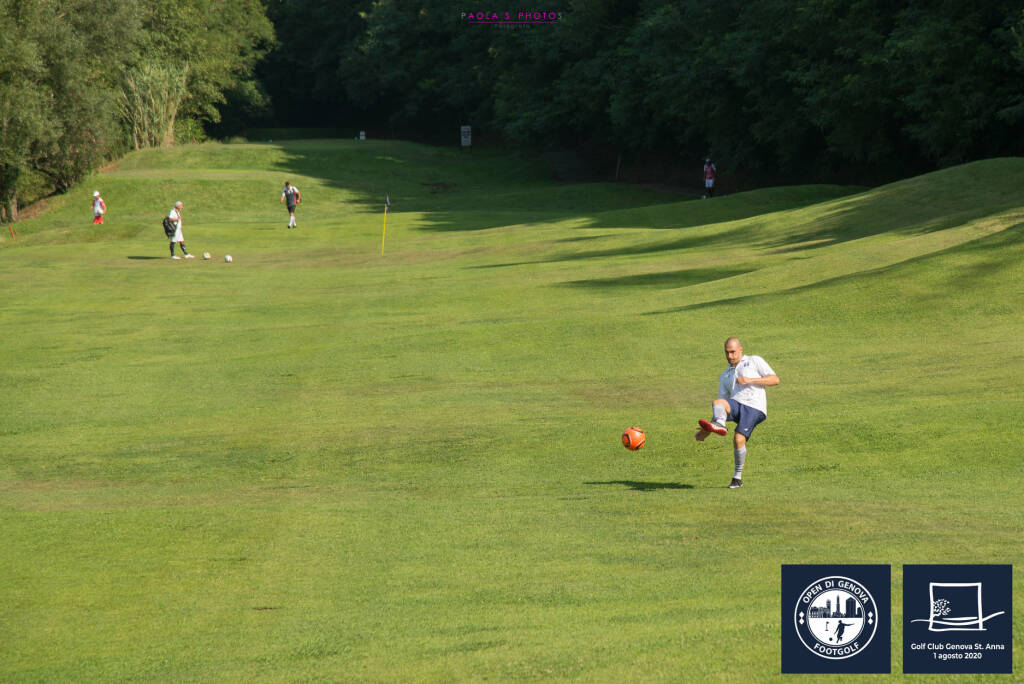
665, 279
643, 486
144, 258
851, 218
492, 188
723, 238
995, 246
609, 206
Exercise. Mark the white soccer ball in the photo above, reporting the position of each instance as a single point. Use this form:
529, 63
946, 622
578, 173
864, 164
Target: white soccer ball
227, 258
206, 255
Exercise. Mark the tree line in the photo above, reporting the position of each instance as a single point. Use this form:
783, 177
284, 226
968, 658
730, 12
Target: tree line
84, 81
773, 90
864, 90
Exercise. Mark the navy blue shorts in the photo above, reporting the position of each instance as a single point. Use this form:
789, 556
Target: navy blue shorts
745, 417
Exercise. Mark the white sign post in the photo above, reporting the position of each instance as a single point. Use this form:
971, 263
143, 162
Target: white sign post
467, 136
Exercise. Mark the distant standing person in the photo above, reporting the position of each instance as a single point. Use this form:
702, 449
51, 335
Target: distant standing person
175, 218
741, 399
709, 177
292, 196
99, 208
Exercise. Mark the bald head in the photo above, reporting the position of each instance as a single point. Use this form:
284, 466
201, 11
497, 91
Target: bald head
733, 350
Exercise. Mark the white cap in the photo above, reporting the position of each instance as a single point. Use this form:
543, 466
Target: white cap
96, 193
178, 204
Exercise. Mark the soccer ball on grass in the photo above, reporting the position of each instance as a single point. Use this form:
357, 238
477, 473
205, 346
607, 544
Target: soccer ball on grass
633, 438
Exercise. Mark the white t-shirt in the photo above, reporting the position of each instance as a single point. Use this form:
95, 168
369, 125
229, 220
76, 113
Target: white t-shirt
753, 396
177, 231
97, 206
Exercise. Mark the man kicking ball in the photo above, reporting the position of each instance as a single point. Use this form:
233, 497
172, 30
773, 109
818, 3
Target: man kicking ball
741, 399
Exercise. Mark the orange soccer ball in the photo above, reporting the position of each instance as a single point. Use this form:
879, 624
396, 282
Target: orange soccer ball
633, 438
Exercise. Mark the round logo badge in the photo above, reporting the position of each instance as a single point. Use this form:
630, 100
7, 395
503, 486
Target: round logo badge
836, 617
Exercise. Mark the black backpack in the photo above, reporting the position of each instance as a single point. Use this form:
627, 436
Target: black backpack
168, 227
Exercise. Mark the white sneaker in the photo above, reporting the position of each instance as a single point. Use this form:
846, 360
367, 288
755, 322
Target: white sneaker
175, 256
189, 256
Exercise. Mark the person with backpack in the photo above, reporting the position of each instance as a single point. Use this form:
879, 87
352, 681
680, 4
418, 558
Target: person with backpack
173, 220
292, 196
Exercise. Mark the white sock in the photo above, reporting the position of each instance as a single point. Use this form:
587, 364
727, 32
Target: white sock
718, 412
740, 457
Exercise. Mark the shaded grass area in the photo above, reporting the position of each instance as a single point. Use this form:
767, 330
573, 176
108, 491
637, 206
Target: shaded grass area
458, 191
662, 279
319, 462
983, 263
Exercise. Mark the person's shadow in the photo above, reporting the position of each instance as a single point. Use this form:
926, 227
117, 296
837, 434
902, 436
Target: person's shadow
644, 486
141, 258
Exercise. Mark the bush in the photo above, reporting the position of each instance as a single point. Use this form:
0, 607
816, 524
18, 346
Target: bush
188, 131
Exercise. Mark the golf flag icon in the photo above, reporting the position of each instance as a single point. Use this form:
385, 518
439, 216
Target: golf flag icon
956, 607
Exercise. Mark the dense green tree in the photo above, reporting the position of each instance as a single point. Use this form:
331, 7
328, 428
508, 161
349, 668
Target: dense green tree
416, 68
303, 74
684, 86
960, 91
775, 90
556, 81
150, 97
77, 78
23, 98
78, 54
55, 90
210, 46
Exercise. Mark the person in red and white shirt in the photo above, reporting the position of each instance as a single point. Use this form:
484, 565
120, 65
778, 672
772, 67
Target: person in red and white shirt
99, 208
709, 177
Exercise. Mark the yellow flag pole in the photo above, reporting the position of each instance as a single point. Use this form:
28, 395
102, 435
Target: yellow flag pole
387, 203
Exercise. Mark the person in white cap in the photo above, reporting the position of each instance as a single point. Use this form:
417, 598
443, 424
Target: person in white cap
99, 208
175, 218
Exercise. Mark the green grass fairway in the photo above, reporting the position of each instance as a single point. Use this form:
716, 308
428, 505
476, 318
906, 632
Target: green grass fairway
320, 463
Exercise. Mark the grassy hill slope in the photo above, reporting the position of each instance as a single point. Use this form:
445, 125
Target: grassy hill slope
324, 462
